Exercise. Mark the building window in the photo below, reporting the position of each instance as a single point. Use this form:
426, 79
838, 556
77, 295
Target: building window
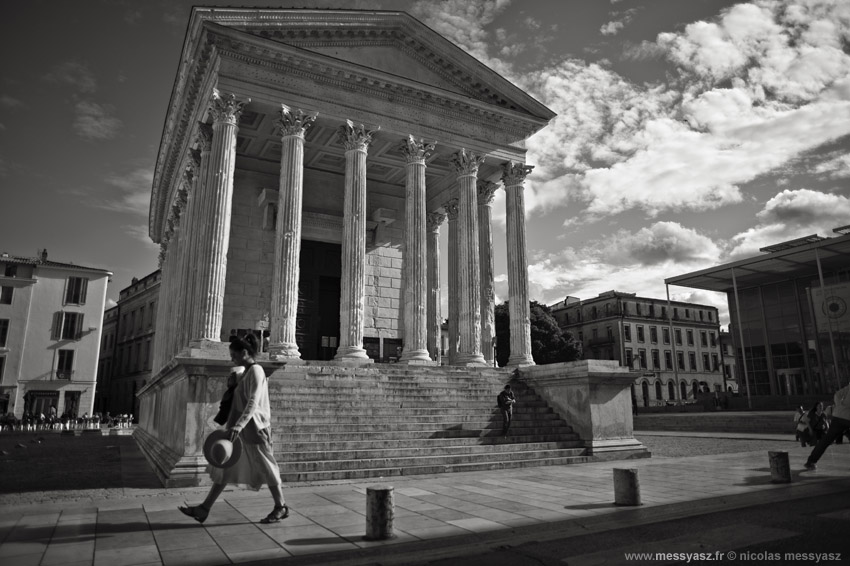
675, 313
658, 395
652, 310
607, 309
625, 308
640, 335
11, 271
690, 337
75, 291
713, 339
680, 358
714, 364
67, 325
65, 365
665, 334
663, 312
6, 295
656, 360
668, 359
629, 357
581, 336
627, 332
4, 331
653, 334
705, 364
678, 336
141, 320
593, 313
683, 388
703, 338
710, 317
578, 314
2, 366
692, 360
700, 315
642, 358
687, 313
152, 312
671, 390
566, 318
610, 332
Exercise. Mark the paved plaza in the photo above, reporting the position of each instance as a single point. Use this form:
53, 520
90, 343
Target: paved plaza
435, 516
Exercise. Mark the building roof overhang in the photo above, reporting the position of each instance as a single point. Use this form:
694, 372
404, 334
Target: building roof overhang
298, 38
799, 260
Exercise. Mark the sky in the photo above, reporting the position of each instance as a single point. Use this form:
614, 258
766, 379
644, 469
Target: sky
689, 133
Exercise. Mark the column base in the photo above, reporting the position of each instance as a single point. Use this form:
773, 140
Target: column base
520, 361
352, 353
470, 360
419, 357
284, 352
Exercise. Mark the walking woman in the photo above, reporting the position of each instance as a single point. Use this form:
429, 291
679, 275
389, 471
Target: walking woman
249, 420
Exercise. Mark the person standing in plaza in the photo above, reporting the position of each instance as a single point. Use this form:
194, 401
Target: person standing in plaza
839, 425
249, 421
506, 401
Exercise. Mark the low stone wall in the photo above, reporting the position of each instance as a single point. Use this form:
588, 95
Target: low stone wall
594, 397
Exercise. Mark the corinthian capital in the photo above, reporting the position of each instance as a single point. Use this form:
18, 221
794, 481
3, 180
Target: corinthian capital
435, 220
486, 190
515, 173
451, 208
355, 136
466, 162
294, 122
416, 150
204, 137
226, 108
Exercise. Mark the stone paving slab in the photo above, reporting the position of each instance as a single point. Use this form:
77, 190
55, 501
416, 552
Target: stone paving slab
433, 513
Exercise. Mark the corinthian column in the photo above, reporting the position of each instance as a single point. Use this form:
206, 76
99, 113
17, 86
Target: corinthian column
199, 225
287, 243
435, 219
513, 176
415, 254
486, 190
217, 198
451, 212
469, 272
356, 139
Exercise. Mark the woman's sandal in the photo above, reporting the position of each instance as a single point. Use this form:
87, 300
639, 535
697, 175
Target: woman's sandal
199, 512
278, 513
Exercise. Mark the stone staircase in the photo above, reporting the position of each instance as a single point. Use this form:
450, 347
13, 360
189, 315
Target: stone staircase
334, 423
772, 422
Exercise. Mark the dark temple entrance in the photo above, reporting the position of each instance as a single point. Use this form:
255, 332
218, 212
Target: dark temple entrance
317, 325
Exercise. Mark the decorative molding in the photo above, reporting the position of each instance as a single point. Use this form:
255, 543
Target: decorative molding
435, 220
416, 151
466, 162
203, 137
515, 173
486, 192
294, 123
451, 208
226, 107
355, 136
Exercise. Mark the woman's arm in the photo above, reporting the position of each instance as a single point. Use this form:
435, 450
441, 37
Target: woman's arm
252, 384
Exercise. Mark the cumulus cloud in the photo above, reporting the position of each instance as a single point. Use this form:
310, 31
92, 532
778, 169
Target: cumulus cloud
95, 121
792, 214
132, 195
611, 28
75, 74
834, 167
140, 233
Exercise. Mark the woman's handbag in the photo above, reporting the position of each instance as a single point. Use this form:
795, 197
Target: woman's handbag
226, 401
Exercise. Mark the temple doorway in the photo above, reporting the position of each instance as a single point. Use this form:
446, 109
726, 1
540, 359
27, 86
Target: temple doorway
317, 325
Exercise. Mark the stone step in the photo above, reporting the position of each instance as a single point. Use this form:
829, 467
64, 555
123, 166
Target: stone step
378, 433
393, 410
430, 461
527, 425
489, 435
471, 444
420, 421
380, 452
427, 469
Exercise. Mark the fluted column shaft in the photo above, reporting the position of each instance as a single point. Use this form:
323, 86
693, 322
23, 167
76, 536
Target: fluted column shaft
486, 190
199, 225
218, 198
415, 254
451, 209
435, 320
287, 245
513, 176
469, 270
182, 270
355, 138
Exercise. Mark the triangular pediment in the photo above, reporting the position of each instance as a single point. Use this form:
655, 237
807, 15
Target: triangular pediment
394, 43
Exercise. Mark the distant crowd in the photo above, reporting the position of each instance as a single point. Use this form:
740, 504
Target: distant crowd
30, 421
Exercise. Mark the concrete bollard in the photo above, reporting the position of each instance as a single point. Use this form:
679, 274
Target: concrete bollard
380, 512
626, 486
780, 467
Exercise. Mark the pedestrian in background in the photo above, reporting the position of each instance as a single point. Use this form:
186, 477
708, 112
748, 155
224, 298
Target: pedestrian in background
840, 425
506, 401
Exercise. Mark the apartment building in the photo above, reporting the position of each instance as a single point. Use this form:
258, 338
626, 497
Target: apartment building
51, 316
673, 348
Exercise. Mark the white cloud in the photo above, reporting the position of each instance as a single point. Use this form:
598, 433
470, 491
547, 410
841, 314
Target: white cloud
792, 214
95, 121
611, 28
140, 233
75, 74
10, 102
133, 195
836, 167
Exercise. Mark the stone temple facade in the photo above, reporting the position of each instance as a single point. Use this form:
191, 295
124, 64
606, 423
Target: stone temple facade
308, 162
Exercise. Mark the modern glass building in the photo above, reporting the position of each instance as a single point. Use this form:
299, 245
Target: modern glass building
790, 323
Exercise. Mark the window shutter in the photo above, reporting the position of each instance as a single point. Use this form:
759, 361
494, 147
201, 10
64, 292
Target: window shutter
78, 331
57, 326
84, 287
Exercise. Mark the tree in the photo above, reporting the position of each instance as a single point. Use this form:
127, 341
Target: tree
549, 344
